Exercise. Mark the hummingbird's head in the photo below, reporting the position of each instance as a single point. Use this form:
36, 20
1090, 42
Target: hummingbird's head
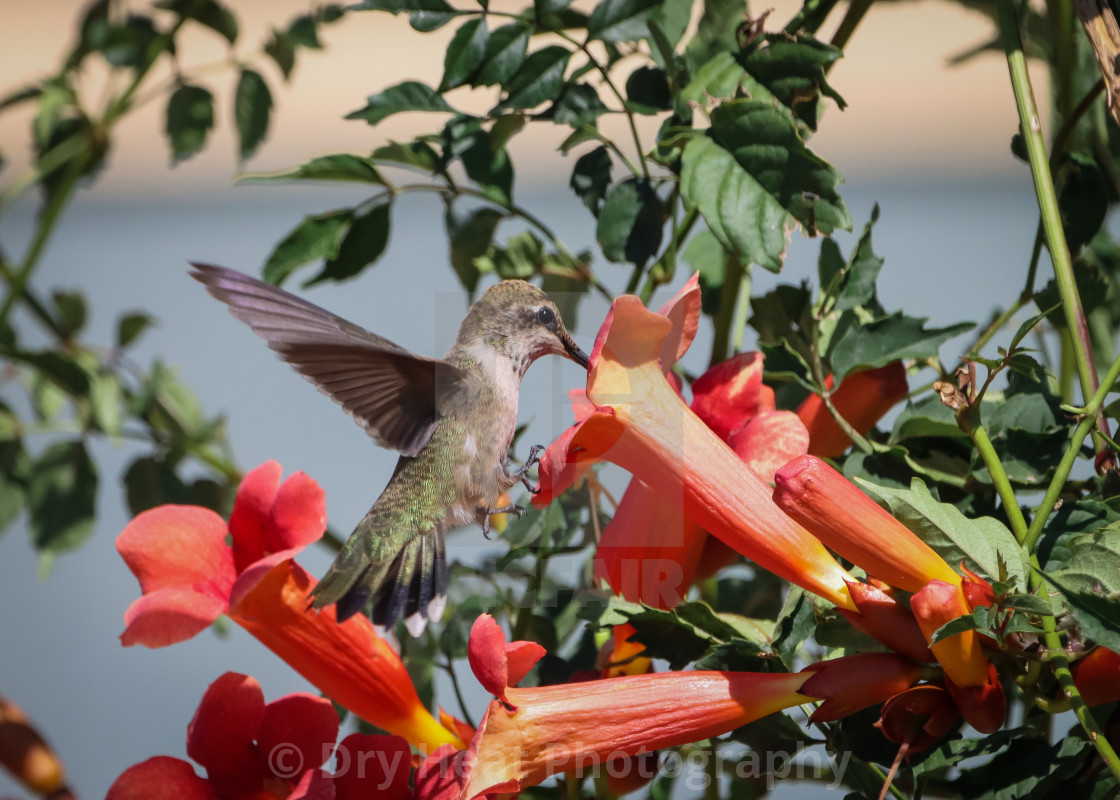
519, 321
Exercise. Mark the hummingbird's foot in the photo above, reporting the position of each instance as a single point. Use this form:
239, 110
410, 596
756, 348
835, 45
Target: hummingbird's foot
484, 515
522, 473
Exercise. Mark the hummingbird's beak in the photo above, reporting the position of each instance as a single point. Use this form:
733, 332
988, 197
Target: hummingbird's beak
574, 353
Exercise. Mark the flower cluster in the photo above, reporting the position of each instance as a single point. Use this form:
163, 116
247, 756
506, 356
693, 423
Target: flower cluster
725, 475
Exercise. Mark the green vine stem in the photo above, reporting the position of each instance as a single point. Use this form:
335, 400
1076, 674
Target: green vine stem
970, 422
1047, 198
1061, 473
729, 297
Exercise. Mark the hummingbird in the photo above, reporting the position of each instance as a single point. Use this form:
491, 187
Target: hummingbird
452, 419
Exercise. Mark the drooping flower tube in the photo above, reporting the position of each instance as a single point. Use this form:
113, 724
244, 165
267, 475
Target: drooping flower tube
536, 732
640, 423
861, 399
190, 576
27, 756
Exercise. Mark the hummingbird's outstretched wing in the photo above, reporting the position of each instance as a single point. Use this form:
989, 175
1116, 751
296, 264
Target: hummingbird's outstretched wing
397, 396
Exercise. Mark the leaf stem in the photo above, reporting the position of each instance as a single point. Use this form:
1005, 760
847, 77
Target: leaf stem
970, 416
1031, 130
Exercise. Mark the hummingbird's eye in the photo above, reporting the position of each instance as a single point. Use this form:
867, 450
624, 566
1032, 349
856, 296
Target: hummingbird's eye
545, 316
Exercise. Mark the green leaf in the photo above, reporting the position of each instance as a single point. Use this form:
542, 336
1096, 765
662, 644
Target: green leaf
465, 54
130, 326
397, 6
317, 236
976, 621
251, 108
647, 90
680, 635
106, 401
718, 78
621, 20
304, 32
861, 271
796, 622
1030, 603
538, 79
579, 104
417, 154
522, 257
505, 52
190, 116
591, 177
706, 255
1094, 562
892, 338
407, 96
363, 244
631, 222
71, 311
208, 13
792, 70
335, 167
926, 418
983, 543
1083, 200
754, 179
282, 51
1065, 528
470, 236
61, 498
1098, 616
428, 21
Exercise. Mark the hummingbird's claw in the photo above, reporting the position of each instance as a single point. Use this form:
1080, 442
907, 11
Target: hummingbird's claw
522, 473
485, 514
532, 489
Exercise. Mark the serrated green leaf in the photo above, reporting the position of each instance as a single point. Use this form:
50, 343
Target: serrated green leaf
61, 498
335, 167
631, 222
889, 339
252, 107
792, 71
364, 242
317, 236
106, 402
190, 116
980, 543
1083, 199
621, 20
719, 78
957, 626
465, 54
591, 177
505, 52
1030, 603
928, 417
754, 180
1094, 562
538, 79
407, 96
861, 271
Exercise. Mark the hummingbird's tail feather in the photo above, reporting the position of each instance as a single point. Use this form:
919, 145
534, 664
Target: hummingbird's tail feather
414, 582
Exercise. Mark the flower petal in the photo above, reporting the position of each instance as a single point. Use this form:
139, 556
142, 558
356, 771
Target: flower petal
649, 550
983, 706
161, 778
496, 663
221, 736
251, 513
569, 456
169, 616
315, 784
269, 517
368, 765
178, 546
769, 441
441, 776
306, 727
683, 311
729, 394
920, 716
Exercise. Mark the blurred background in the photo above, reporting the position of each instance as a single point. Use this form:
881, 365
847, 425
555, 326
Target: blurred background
927, 141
